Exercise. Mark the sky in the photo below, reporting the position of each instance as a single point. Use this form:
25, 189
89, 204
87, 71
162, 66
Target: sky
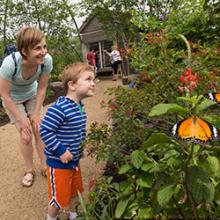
79, 20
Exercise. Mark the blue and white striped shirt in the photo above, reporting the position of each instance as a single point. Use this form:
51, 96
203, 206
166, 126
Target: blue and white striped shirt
63, 128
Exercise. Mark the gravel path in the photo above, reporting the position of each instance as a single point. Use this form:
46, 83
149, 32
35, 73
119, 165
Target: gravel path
19, 203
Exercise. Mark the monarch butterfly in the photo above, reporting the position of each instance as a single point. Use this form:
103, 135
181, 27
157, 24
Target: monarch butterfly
196, 129
214, 97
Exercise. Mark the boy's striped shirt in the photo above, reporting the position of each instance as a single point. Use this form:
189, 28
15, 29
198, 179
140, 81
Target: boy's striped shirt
63, 128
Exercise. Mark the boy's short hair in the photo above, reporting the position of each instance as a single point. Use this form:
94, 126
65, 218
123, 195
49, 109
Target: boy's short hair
72, 72
28, 38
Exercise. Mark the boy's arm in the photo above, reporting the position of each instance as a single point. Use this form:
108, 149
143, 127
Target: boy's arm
66, 157
48, 130
83, 135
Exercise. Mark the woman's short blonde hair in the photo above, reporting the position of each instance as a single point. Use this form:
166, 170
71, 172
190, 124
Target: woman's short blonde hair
114, 47
28, 38
72, 72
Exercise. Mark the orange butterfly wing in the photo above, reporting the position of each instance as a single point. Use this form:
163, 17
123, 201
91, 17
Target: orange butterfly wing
214, 97
195, 128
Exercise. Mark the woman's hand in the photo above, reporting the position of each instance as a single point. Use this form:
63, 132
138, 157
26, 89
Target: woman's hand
24, 126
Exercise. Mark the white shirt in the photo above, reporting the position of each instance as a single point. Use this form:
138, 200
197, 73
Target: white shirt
115, 56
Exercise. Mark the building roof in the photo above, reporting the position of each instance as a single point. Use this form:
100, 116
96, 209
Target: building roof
91, 30
86, 23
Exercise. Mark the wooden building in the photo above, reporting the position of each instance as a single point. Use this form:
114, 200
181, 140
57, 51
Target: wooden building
93, 37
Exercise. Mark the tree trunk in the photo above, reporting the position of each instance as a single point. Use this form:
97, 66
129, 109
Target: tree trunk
37, 13
5, 21
74, 20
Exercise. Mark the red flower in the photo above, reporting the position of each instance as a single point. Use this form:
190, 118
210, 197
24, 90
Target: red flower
189, 80
193, 84
181, 89
182, 78
192, 78
211, 86
187, 72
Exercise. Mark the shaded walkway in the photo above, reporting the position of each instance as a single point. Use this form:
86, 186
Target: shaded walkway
17, 202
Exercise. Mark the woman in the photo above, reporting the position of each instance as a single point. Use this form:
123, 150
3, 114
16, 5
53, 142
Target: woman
23, 93
115, 59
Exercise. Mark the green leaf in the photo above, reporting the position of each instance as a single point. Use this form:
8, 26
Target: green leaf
184, 99
83, 205
157, 138
195, 172
161, 179
165, 194
210, 164
137, 158
126, 187
214, 164
104, 213
121, 207
124, 168
213, 119
204, 105
217, 194
145, 181
204, 192
145, 213
147, 166
162, 109
200, 185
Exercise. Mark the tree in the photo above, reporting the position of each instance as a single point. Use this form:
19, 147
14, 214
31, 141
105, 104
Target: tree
114, 16
55, 17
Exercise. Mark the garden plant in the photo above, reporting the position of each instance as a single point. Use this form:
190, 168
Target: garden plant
151, 172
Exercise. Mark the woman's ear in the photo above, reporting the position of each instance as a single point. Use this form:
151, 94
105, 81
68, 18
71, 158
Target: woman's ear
24, 52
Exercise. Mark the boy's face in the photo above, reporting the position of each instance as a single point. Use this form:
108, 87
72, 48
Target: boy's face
85, 86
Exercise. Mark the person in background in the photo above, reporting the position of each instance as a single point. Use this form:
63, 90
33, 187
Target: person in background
115, 59
97, 60
63, 131
23, 92
91, 58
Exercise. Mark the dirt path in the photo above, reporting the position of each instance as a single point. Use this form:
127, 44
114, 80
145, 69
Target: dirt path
19, 203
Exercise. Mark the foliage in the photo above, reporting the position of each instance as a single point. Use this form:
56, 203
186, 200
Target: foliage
113, 15
126, 109
155, 175
166, 178
102, 202
159, 52
175, 47
55, 18
197, 20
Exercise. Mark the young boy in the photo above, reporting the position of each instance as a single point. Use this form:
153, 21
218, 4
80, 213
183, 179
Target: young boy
63, 131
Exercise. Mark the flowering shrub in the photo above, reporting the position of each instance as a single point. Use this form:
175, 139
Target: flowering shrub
188, 81
153, 175
154, 38
128, 113
163, 177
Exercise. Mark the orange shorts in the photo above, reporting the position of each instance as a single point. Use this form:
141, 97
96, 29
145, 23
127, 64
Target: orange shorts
63, 185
